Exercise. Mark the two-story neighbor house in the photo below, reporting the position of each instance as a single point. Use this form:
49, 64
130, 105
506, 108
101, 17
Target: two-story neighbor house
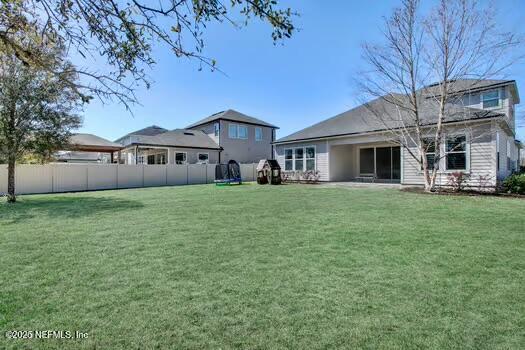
218, 138
242, 138
479, 140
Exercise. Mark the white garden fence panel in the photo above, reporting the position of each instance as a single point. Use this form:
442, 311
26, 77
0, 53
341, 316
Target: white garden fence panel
155, 175
63, 177
69, 177
197, 174
130, 176
103, 177
177, 175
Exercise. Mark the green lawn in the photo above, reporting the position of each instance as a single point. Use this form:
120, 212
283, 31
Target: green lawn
271, 267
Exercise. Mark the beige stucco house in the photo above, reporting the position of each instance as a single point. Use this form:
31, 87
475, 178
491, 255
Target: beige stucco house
479, 140
218, 138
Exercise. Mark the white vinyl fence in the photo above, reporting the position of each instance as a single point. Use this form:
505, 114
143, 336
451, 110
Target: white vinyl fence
68, 177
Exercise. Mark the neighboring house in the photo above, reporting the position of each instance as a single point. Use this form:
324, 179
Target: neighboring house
219, 138
155, 145
242, 138
355, 146
88, 148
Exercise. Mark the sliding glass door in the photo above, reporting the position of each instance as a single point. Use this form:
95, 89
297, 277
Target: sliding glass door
384, 163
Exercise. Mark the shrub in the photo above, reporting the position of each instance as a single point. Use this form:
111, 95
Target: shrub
456, 180
515, 184
308, 176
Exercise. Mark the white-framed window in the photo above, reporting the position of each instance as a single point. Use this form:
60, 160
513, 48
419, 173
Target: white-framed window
456, 152
160, 158
300, 158
236, 131
216, 129
203, 158
258, 134
309, 153
288, 159
242, 131
141, 159
430, 145
232, 131
490, 99
180, 157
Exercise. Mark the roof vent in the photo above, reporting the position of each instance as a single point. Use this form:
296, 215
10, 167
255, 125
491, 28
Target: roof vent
189, 133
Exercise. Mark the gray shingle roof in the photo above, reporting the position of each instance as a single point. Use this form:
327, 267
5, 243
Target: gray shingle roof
149, 131
361, 119
232, 115
463, 85
91, 140
174, 138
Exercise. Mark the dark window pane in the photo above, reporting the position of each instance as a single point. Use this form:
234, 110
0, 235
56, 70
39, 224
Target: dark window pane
298, 165
456, 161
310, 164
180, 158
299, 153
430, 145
288, 165
490, 103
151, 159
396, 163
384, 163
366, 160
288, 154
310, 152
456, 144
430, 161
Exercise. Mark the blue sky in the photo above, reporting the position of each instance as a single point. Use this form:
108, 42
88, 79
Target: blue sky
306, 80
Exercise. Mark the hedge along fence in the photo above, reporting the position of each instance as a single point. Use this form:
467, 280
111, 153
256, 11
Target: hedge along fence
67, 177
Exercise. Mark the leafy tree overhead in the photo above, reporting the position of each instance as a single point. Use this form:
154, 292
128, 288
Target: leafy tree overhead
122, 33
37, 109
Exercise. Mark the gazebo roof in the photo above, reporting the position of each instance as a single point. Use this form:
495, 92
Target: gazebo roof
92, 143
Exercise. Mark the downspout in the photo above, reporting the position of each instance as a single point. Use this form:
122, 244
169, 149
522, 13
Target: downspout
272, 149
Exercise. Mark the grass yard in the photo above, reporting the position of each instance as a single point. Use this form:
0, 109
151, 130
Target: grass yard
264, 267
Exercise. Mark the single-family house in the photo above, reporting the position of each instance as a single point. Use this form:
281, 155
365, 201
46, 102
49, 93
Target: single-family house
242, 138
218, 138
356, 145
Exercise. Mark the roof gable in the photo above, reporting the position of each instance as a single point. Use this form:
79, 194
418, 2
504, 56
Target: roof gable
231, 115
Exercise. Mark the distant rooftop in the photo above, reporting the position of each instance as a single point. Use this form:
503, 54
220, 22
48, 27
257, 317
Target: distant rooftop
149, 131
231, 115
92, 142
175, 138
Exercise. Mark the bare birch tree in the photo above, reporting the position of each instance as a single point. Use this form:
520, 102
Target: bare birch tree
428, 63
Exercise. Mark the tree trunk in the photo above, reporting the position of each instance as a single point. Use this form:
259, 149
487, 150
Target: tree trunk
11, 180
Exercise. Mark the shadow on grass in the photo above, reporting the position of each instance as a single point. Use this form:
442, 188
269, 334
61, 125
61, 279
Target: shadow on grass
63, 207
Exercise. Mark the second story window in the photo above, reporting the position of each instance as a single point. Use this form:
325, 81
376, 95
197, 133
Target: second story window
258, 134
216, 129
236, 131
232, 131
242, 131
490, 99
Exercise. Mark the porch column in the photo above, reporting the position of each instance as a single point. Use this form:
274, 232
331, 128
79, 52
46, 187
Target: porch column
136, 155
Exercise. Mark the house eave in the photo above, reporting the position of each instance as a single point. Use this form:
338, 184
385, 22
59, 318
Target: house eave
380, 131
